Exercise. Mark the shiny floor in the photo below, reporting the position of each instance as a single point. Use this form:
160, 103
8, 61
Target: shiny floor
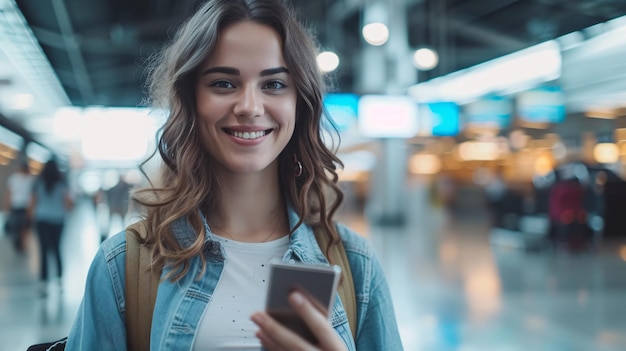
452, 289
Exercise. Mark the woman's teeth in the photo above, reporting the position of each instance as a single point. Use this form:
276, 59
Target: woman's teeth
247, 135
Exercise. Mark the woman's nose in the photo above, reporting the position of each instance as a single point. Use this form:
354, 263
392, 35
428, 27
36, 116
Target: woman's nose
249, 103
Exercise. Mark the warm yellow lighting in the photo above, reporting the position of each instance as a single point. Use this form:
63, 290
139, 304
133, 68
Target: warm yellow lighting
620, 134
375, 33
606, 153
479, 151
601, 113
424, 164
351, 176
482, 291
519, 139
622, 252
7, 152
543, 164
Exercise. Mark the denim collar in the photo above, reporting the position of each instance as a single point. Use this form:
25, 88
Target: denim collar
303, 245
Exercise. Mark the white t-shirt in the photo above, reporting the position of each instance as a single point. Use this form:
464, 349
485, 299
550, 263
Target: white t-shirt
241, 291
21, 187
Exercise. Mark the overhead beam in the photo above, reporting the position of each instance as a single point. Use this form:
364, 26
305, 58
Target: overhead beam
73, 50
471, 12
118, 75
484, 34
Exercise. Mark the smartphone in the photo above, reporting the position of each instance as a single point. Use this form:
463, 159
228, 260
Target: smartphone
318, 282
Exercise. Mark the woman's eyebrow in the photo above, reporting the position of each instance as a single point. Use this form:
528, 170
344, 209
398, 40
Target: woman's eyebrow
236, 72
271, 71
219, 69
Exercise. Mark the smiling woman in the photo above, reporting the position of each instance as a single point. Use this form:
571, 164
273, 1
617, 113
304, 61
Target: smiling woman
246, 179
246, 100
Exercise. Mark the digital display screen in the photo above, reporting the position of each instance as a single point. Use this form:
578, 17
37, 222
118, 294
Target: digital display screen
490, 111
387, 116
439, 119
343, 109
541, 105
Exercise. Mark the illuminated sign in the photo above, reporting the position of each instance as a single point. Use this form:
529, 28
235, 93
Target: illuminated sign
387, 116
343, 110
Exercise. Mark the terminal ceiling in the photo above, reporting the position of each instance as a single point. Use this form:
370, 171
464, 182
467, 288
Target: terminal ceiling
97, 48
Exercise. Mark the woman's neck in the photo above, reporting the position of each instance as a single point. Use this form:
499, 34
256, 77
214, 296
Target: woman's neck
251, 209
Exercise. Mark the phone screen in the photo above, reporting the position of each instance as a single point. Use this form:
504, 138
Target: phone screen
316, 281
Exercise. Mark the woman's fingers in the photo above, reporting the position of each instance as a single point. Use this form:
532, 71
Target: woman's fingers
317, 321
276, 337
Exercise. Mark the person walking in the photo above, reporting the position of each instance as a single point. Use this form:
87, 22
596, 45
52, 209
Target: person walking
18, 193
51, 202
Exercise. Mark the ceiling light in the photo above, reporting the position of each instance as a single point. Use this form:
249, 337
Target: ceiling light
19, 45
425, 59
375, 20
22, 101
327, 61
504, 75
376, 33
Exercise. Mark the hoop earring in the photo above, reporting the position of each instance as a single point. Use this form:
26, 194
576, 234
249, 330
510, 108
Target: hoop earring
297, 166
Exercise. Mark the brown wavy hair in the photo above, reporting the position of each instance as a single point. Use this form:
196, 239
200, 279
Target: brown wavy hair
182, 185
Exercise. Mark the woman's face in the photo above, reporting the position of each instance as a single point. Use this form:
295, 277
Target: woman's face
246, 99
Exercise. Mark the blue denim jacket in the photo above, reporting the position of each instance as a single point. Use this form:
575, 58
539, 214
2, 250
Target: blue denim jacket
179, 306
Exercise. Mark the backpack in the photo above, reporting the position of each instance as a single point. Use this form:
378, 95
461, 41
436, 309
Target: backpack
140, 299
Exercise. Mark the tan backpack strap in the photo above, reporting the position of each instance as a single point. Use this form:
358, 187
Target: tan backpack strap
346, 288
142, 283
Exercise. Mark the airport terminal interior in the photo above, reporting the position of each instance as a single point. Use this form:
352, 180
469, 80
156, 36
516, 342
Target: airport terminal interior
483, 142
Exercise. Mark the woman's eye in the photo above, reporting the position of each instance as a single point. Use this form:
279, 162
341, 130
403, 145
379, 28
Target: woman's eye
274, 85
222, 84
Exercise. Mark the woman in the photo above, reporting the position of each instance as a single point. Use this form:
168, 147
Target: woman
50, 204
245, 176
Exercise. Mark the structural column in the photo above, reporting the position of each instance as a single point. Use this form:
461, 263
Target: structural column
387, 69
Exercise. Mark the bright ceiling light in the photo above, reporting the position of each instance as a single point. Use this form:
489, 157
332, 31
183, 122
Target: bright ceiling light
425, 59
375, 33
22, 101
19, 45
504, 75
327, 61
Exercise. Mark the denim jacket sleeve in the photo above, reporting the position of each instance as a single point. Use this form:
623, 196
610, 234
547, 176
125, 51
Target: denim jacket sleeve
99, 324
377, 329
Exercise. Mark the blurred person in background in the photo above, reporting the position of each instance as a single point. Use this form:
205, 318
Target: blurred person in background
246, 178
496, 193
112, 206
18, 193
50, 204
117, 199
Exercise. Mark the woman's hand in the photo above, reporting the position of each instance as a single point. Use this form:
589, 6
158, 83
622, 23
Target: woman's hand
276, 337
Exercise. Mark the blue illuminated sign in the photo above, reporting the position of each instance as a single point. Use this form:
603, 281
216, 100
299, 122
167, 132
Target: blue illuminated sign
343, 109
